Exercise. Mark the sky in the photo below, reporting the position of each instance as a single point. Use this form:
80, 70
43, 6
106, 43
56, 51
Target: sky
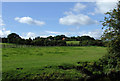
32, 19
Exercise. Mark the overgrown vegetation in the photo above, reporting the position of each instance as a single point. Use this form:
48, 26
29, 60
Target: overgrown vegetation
111, 62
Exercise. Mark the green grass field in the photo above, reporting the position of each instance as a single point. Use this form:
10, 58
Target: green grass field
73, 42
6, 44
35, 59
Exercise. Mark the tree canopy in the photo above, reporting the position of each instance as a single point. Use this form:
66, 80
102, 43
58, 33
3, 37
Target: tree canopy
13, 38
111, 25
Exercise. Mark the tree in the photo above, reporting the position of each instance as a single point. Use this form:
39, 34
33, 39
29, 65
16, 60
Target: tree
86, 38
1, 40
111, 25
59, 37
38, 42
14, 38
78, 38
28, 41
61, 43
47, 42
4, 40
50, 37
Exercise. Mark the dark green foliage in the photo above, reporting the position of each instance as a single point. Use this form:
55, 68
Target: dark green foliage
78, 38
61, 43
38, 42
28, 41
111, 24
59, 37
4, 40
91, 43
111, 34
14, 38
86, 38
59, 40
111, 62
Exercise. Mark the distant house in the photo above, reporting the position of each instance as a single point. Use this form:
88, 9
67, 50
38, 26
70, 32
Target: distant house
63, 38
49, 39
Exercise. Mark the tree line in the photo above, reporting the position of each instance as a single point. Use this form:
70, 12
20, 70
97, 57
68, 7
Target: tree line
59, 40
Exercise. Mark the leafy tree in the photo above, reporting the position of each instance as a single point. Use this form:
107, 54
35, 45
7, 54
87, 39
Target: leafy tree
47, 42
37, 38
78, 38
21, 41
98, 43
4, 40
111, 25
28, 41
73, 38
1, 40
86, 38
38, 42
50, 37
61, 43
59, 37
14, 38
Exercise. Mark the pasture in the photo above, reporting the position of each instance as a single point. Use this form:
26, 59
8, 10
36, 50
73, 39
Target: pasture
18, 62
72, 42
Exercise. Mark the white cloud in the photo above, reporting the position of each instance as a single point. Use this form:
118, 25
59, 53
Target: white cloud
52, 32
29, 20
33, 35
91, 13
77, 20
29, 35
104, 6
68, 13
4, 32
106, 0
78, 7
96, 33
44, 36
1, 22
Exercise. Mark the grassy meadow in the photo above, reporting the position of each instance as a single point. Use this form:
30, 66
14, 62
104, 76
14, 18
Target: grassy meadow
73, 42
20, 62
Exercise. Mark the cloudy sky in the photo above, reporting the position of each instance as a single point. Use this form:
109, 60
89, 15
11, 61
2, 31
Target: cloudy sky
32, 19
